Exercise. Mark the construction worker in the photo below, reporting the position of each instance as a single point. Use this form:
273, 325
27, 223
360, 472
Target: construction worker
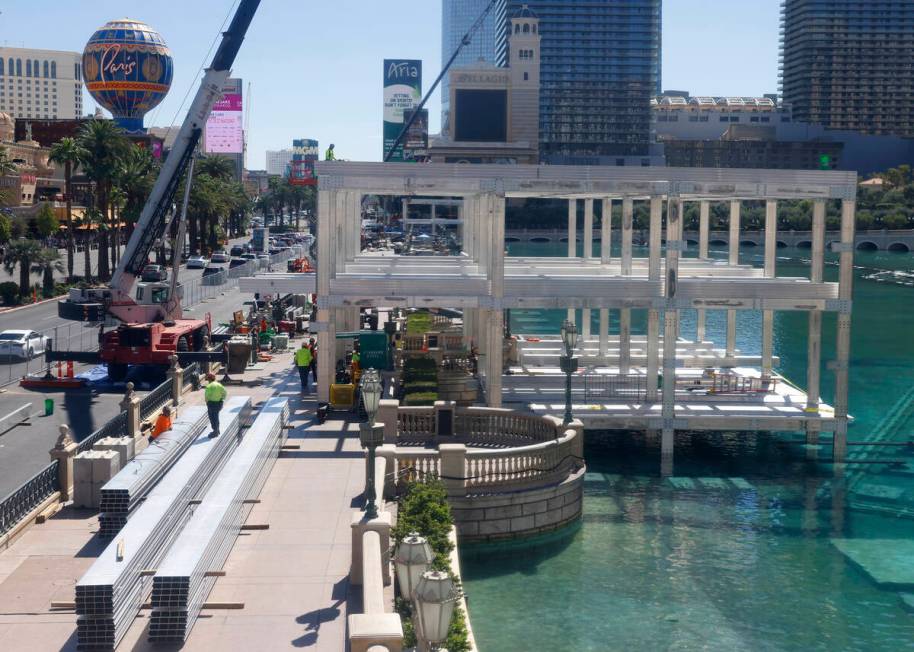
215, 396
330, 155
303, 358
356, 366
162, 424
312, 346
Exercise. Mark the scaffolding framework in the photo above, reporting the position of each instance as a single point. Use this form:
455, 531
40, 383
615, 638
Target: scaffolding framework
483, 281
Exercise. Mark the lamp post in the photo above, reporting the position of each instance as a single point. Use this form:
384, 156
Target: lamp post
436, 596
371, 434
412, 558
569, 364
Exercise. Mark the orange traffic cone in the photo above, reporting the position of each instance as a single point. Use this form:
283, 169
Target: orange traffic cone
59, 370
69, 368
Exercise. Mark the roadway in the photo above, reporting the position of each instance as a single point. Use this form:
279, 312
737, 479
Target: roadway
24, 449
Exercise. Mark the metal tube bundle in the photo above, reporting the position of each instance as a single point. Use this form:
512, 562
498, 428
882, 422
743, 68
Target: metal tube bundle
110, 594
124, 491
180, 586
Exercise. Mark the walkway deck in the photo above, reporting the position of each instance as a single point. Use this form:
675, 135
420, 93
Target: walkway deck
292, 577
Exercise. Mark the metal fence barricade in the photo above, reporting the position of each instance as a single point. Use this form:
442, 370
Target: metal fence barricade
23, 500
155, 399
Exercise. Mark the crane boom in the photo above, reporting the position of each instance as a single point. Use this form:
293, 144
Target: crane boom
465, 41
152, 221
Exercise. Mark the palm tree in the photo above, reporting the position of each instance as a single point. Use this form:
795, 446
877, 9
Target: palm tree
104, 146
66, 152
22, 253
47, 262
136, 177
217, 167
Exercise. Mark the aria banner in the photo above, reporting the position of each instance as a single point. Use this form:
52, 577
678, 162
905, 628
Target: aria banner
402, 94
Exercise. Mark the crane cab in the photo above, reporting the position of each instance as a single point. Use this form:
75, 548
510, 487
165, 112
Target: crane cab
156, 294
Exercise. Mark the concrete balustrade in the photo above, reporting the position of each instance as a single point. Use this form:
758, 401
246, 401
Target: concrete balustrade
507, 474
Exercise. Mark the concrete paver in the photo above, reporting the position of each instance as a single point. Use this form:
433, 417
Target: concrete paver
291, 577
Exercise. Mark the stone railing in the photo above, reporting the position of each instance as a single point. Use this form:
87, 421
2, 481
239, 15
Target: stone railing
477, 447
515, 468
474, 426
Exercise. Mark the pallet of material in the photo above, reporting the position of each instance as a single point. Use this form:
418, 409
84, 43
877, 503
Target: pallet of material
111, 593
186, 575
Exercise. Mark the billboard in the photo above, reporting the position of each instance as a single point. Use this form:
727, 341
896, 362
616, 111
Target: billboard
402, 93
225, 126
305, 153
417, 135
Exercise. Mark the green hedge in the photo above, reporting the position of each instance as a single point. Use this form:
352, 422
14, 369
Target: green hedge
418, 323
420, 398
423, 508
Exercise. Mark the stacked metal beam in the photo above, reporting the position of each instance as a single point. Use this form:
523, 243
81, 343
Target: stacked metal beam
124, 491
181, 585
110, 594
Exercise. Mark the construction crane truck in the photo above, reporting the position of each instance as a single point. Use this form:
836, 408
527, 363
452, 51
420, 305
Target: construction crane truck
152, 327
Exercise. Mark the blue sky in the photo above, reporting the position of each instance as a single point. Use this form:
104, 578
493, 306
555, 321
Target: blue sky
315, 66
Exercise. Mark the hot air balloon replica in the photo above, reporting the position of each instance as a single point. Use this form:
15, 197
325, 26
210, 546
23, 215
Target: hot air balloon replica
128, 69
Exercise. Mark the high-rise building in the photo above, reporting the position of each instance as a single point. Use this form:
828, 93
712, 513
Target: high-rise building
278, 161
44, 84
846, 64
600, 66
457, 16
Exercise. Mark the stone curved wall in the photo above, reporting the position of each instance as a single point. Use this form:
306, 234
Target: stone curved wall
517, 514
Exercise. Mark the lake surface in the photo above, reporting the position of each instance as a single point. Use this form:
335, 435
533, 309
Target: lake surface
734, 552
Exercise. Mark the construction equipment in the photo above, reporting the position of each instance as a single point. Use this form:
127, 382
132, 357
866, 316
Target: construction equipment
300, 265
153, 328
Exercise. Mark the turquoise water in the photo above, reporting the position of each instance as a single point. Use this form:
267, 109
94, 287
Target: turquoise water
733, 553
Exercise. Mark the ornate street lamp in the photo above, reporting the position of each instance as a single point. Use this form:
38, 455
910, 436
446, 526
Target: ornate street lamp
569, 364
412, 558
371, 435
435, 597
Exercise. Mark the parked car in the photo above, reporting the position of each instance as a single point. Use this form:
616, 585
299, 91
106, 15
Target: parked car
197, 262
154, 273
220, 257
22, 344
237, 262
238, 250
209, 270
249, 256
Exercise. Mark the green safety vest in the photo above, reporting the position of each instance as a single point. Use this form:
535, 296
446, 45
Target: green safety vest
303, 357
329, 156
215, 392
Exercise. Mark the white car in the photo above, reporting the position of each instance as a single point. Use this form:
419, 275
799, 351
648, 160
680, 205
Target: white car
220, 257
22, 344
197, 262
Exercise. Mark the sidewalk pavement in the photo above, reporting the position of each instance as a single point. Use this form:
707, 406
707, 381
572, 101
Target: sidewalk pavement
291, 577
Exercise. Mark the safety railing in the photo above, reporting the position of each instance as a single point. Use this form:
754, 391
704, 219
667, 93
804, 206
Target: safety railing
155, 399
116, 427
30, 495
628, 387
